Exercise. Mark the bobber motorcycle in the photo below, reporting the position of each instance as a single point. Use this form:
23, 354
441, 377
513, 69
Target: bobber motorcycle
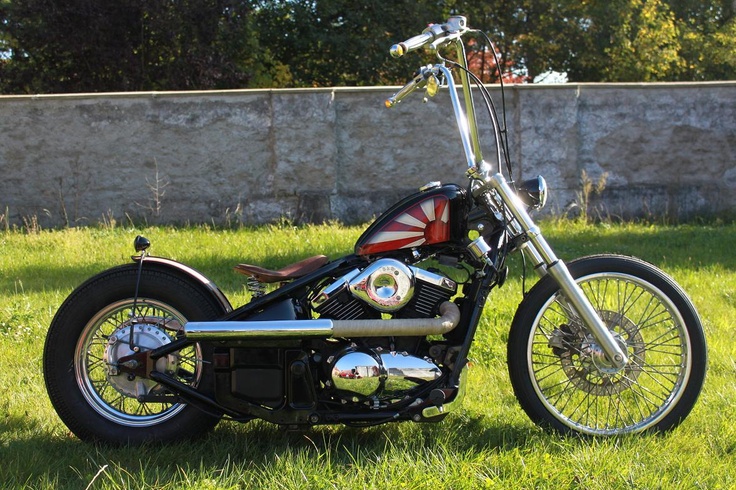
603, 345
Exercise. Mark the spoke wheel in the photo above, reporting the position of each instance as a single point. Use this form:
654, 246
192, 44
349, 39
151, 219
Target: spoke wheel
114, 394
564, 380
98, 397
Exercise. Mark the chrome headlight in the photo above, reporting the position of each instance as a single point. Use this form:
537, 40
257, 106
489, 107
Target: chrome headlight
533, 192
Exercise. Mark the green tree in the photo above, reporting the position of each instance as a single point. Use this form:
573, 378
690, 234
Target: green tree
707, 35
198, 44
624, 40
611, 40
645, 47
88, 45
52, 45
342, 42
647, 40
532, 36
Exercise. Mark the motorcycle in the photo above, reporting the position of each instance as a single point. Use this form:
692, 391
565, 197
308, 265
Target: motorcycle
603, 345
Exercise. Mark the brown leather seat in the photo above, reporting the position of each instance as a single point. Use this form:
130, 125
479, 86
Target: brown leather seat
293, 271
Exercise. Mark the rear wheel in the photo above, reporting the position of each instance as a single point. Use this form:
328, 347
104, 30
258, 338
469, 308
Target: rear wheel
563, 380
92, 330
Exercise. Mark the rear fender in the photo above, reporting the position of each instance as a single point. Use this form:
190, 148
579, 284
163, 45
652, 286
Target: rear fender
186, 272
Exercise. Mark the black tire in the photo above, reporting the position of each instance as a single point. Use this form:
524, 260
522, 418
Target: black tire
563, 381
90, 331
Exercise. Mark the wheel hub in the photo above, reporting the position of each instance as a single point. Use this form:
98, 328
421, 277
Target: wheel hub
146, 336
592, 354
585, 363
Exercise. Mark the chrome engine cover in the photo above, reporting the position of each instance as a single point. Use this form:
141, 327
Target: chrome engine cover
359, 375
386, 284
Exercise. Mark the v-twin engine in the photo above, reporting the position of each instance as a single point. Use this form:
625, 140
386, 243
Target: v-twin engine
374, 374
353, 307
385, 286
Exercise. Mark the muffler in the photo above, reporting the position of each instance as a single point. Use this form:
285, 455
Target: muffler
245, 330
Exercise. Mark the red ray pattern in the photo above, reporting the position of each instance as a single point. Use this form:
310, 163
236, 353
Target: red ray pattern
425, 223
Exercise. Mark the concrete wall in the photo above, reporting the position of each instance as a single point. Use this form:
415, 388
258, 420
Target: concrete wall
255, 155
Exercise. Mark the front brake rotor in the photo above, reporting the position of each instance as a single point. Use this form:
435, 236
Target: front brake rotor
584, 362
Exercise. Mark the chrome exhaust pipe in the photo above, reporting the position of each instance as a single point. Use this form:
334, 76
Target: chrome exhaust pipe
245, 330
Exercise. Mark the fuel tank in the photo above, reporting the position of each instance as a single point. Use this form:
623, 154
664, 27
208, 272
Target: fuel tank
435, 215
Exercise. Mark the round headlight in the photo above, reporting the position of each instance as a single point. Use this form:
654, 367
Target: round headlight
533, 192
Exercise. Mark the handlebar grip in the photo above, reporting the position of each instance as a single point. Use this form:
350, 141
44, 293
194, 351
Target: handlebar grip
399, 50
455, 27
430, 34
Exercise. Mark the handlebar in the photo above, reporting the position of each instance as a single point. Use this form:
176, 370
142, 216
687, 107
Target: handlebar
437, 36
427, 36
453, 28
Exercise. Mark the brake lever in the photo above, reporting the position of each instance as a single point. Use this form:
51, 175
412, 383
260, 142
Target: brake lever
420, 80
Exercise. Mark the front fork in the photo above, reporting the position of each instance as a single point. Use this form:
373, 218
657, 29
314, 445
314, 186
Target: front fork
546, 262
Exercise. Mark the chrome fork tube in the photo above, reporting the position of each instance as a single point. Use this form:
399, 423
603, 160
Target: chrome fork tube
540, 251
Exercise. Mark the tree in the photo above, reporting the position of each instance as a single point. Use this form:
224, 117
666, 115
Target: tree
199, 44
87, 45
611, 40
342, 42
90, 45
647, 40
53, 45
644, 45
707, 35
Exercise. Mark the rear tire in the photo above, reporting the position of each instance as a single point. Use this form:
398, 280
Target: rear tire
91, 331
564, 382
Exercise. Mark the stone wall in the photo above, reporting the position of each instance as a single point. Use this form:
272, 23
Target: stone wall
253, 156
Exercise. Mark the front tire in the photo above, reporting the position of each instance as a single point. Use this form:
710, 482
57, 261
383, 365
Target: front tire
92, 329
560, 375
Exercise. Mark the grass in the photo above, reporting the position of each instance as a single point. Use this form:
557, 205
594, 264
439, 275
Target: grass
489, 443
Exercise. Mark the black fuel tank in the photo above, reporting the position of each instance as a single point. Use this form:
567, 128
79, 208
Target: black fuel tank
430, 217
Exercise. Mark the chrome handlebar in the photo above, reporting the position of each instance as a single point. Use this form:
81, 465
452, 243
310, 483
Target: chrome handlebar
436, 36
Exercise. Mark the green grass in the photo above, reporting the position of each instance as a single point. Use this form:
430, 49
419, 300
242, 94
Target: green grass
489, 443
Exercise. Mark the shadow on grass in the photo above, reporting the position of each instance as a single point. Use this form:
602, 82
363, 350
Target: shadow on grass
256, 446
682, 246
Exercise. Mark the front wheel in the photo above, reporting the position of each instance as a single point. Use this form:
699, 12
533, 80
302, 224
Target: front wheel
563, 380
92, 330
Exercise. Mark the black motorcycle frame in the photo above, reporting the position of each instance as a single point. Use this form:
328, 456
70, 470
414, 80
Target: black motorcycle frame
298, 381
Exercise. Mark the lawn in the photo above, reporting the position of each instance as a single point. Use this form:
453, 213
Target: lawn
489, 443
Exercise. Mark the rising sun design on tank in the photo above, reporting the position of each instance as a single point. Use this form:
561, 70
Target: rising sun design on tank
425, 223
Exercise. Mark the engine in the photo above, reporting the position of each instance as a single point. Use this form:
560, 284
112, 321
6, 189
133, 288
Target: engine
385, 286
372, 373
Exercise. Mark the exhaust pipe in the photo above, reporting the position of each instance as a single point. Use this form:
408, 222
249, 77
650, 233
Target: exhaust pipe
245, 330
